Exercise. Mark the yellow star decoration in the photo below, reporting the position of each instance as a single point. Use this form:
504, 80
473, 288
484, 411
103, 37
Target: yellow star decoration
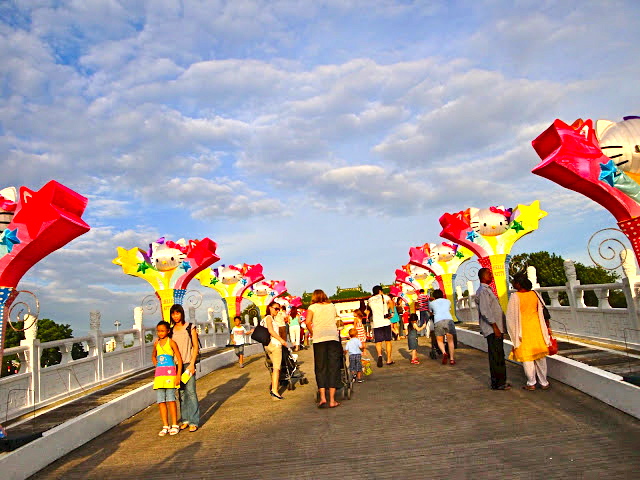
529, 216
129, 260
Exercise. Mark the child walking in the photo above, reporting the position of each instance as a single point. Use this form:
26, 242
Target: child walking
443, 326
354, 348
412, 336
238, 333
168, 363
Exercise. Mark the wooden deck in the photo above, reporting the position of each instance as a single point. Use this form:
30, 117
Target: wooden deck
405, 422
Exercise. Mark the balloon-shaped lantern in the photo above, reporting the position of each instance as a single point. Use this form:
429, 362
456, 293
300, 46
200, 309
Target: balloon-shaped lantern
33, 224
168, 266
262, 293
490, 233
443, 260
231, 282
602, 164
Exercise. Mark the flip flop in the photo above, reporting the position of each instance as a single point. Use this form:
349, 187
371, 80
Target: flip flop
390, 363
530, 388
323, 405
334, 406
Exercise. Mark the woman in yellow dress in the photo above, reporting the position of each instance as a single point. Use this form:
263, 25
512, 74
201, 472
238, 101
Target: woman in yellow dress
529, 333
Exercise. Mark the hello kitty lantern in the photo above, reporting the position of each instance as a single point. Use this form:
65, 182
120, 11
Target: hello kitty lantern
264, 292
415, 277
231, 282
33, 224
443, 260
602, 164
490, 234
168, 266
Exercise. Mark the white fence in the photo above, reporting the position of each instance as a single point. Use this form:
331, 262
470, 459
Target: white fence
34, 387
600, 323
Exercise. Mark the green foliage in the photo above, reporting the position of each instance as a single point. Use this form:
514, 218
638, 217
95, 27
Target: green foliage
48, 331
550, 273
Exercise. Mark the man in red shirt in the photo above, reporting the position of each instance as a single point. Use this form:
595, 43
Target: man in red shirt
422, 304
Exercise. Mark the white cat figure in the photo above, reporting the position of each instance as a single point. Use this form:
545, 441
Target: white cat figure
443, 253
489, 222
262, 289
231, 276
10, 194
165, 258
621, 142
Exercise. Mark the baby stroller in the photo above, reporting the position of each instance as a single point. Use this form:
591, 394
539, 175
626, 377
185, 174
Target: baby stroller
289, 371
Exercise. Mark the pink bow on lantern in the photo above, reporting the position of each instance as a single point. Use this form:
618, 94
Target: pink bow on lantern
7, 205
177, 246
451, 246
501, 212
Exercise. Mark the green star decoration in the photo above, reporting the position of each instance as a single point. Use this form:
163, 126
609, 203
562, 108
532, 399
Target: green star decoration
459, 254
142, 267
517, 226
250, 294
214, 280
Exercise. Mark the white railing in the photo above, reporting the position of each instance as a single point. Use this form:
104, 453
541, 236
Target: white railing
620, 326
34, 387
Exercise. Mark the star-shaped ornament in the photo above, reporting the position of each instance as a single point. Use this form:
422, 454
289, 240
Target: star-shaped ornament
410, 279
459, 254
214, 280
244, 281
517, 226
250, 294
608, 172
471, 236
9, 238
143, 266
430, 261
186, 266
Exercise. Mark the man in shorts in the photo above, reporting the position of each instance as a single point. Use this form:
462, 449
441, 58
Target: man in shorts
379, 305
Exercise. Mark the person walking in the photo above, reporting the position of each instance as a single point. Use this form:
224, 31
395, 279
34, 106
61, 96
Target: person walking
529, 333
492, 326
379, 305
294, 328
422, 305
413, 337
443, 326
186, 338
322, 322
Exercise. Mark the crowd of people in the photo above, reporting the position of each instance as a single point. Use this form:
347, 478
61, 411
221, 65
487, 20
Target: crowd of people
381, 319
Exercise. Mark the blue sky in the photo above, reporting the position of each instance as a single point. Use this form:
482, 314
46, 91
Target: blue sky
321, 139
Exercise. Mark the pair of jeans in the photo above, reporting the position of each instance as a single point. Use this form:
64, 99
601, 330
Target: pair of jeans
497, 363
189, 408
424, 318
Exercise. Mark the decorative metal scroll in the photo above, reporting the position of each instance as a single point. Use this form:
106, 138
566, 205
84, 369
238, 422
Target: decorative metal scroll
607, 248
150, 304
193, 298
24, 306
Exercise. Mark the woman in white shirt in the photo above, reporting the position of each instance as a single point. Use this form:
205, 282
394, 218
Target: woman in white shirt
322, 320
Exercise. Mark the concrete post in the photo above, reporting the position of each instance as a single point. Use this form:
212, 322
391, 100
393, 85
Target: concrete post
96, 342
532, 275
631, 290
32, 357
138, 324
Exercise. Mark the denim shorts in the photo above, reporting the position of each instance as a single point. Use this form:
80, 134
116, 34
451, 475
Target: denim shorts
165, 395
445, 327
355, 363
239, 349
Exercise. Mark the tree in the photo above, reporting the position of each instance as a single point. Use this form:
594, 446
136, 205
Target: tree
550, 272
48, 331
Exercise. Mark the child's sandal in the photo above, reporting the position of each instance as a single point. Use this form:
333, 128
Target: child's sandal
193, 428
174, 430
164, 431
184, 426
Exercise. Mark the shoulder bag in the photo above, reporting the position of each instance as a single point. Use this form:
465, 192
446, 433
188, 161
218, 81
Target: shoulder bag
261, 334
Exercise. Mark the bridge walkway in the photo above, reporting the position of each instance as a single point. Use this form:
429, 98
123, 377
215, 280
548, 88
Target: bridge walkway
406, 421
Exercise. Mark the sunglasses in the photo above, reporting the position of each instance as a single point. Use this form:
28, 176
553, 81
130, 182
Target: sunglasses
277, 309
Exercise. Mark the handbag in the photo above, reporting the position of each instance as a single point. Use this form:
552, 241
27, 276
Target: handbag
545, 311
261, 335
553, 348
384, 305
